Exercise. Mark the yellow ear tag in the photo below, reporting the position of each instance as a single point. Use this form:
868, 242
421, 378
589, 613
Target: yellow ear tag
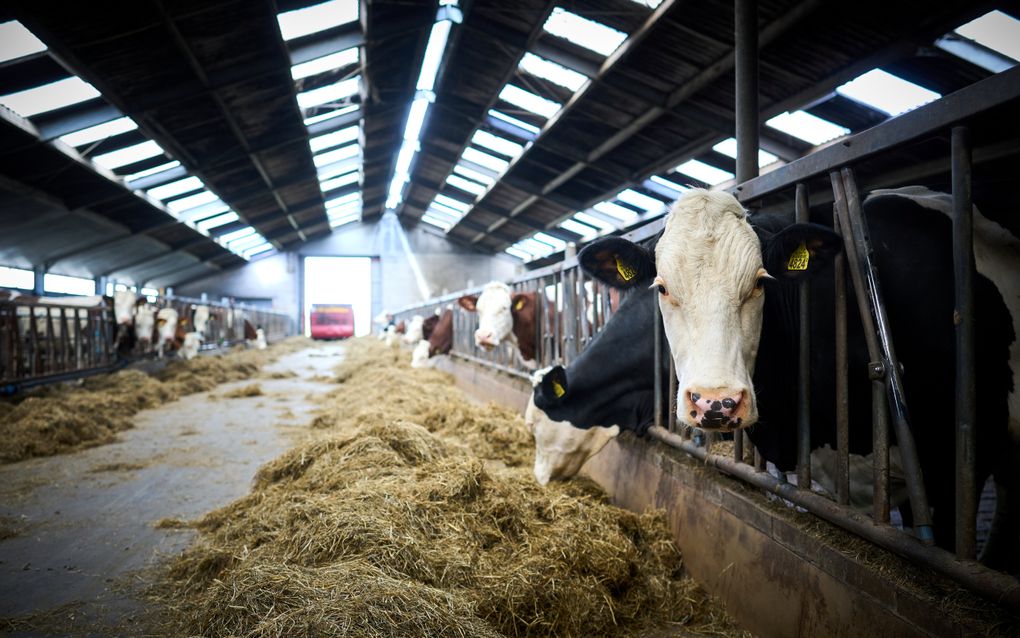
799, 259
626, 272
558, 389
519, 305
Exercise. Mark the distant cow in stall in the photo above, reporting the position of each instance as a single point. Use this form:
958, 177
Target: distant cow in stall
505, 316
413, 332
439, 341
145, 323
166, 329
190, 345
200, 320
725, 290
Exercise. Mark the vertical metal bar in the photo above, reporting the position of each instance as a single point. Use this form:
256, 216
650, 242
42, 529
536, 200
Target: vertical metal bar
657, 360
759, 461
738, 446
33, 369
877, 332
803, 360
672, 395
77, 340
746, 70
842, 379
50, 365
966, 410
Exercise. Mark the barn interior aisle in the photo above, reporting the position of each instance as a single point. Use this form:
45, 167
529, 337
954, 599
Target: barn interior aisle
80, 531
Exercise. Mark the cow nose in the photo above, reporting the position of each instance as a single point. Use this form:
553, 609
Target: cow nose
717, 408
484, 339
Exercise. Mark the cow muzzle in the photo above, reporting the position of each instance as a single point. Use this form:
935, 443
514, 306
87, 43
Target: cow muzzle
485, 340
715, 408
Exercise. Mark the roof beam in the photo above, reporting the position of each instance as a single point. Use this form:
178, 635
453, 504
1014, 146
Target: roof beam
166, 253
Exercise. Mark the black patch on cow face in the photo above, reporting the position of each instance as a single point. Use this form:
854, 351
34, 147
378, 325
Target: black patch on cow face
716, 406
729, 404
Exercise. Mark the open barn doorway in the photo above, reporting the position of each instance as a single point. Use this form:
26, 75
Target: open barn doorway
339, 280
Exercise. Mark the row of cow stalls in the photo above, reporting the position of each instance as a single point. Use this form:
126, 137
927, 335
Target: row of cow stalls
50, 339
965, 144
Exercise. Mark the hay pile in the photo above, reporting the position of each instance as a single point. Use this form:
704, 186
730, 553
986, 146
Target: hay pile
381, 527
60, 418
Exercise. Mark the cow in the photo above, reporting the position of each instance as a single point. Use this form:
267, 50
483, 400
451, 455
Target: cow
166, 327
726, 289
413, 333
505, 316
560, 448
440, 340
260, 339
145, 322
391, 337
201, 319
192, 342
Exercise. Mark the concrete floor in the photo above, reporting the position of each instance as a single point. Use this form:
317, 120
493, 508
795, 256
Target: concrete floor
81, 527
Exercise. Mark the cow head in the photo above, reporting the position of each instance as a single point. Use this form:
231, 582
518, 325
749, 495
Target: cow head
412, 331
711, 270
560, 448
496, 307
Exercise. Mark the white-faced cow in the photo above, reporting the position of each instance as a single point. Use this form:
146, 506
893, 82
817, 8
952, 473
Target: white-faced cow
192, 342
201, 319
412, 331
505, 316
723, 283
166, 327
145, 323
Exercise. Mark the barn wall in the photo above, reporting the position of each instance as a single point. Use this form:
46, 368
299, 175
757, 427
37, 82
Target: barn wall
444, 267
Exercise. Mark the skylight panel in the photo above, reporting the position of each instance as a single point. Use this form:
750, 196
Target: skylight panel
640, 200
217, 221
671, 185
415, 119
729, 149
586, 232
353, 206
529, 101
241, 244
478, 176
651, 4
555, 73
99, 132
343, 199
465, 184
428, 218
807, 127
330, 93
486, 160
591, 220
329, 115
237, 234
17, 41
336, 138
129, 155
704, 172
517, 252
257, 250
50, 96
546, 238
325, 63
455, 204
404, 158
17, 278
615, 211
340, 221
887, 92
496, 143
584, 32
152, 171
319, 17
536, 247
499, 115
68, 285
344, 152
175, 188
995, 30
453, 213
337, 182
180, 205
433, 55
340, 167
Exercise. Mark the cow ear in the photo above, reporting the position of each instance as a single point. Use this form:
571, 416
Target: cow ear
800, 250
617, 262
468, 302
518, 301
554, 385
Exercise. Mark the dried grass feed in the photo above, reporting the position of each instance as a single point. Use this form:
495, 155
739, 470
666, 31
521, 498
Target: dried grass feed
413, 512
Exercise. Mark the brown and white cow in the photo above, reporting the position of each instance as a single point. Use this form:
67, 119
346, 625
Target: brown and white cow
505, 316
439, 340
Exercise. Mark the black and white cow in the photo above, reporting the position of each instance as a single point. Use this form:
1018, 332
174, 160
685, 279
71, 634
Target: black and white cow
724, 288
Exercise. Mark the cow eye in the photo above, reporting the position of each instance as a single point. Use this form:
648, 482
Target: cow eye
661, 289
760, 284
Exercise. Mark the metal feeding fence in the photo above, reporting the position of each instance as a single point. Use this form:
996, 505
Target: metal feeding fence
575, 311
43, 340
